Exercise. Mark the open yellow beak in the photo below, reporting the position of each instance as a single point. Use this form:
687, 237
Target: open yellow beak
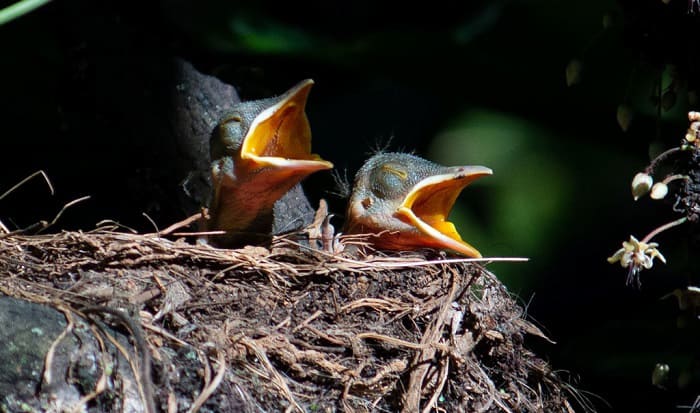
428, 205
280, 136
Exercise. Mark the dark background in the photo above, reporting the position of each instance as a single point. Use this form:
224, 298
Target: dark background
476, 83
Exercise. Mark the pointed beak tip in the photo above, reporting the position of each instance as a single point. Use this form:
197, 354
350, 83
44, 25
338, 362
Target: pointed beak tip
465, 249
481, 170
470, 171
302, 88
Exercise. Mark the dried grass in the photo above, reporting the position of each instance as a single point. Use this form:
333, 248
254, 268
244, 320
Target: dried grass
300, 329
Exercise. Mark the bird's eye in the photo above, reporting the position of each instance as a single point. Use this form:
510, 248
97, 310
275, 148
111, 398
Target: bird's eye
389, 181
232, 118
227, 136
395, 171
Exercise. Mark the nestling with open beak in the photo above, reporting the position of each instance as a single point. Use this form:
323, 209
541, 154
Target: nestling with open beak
405, 201
259, 151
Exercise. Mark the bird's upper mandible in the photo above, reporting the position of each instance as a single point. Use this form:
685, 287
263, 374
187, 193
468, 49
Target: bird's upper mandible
259, 150
405, 201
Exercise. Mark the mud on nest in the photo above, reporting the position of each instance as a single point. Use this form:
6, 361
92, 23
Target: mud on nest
295, 329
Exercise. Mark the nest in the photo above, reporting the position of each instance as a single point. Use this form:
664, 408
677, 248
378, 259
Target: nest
290, 328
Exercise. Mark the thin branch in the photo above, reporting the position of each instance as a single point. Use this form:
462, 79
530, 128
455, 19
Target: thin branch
184, 223
23, 181
444, 372
65, 207
155, 226
211, 388
410, 263
143, 373
102, 225
48, 360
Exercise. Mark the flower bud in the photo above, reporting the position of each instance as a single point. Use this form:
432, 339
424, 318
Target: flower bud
659, 190
607, 21
641, 184
573, 72
659, 376
624, 117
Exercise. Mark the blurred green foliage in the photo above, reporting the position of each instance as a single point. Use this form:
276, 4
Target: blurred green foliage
19, 9
527, 194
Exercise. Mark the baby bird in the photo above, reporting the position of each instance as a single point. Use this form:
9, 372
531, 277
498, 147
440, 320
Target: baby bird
260, 150
405, 201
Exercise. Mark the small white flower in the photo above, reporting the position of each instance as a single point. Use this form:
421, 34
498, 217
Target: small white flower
659, 190
641, 184
660, 375
636, 256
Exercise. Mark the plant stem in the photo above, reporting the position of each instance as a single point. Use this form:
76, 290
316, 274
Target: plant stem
663, 228
19, 9
676, 177
660, 158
